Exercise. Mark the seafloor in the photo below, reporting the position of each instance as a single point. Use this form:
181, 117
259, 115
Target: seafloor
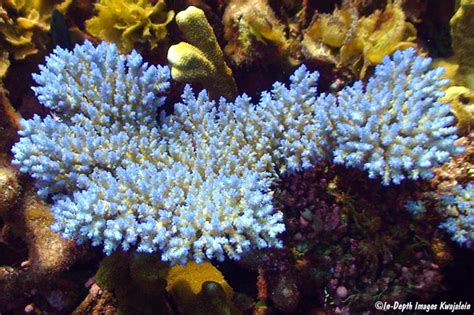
120, 193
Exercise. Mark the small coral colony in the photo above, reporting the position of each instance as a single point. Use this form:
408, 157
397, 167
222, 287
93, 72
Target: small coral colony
243, 195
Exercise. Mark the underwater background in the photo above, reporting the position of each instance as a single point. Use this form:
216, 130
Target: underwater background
236, 156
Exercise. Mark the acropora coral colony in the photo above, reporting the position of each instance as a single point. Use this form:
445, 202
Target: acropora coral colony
195, 184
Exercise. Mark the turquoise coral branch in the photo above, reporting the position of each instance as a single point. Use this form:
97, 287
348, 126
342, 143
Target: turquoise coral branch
457, 210
196, 184
458, 207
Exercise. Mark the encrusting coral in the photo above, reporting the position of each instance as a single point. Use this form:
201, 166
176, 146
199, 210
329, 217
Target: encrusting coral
200, 59
196, 185
127, 22
27, 217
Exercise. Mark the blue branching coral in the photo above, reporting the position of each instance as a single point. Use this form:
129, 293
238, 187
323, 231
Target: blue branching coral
117, 179
415, 207
395, 127
196, 184
459, 209
104, 107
